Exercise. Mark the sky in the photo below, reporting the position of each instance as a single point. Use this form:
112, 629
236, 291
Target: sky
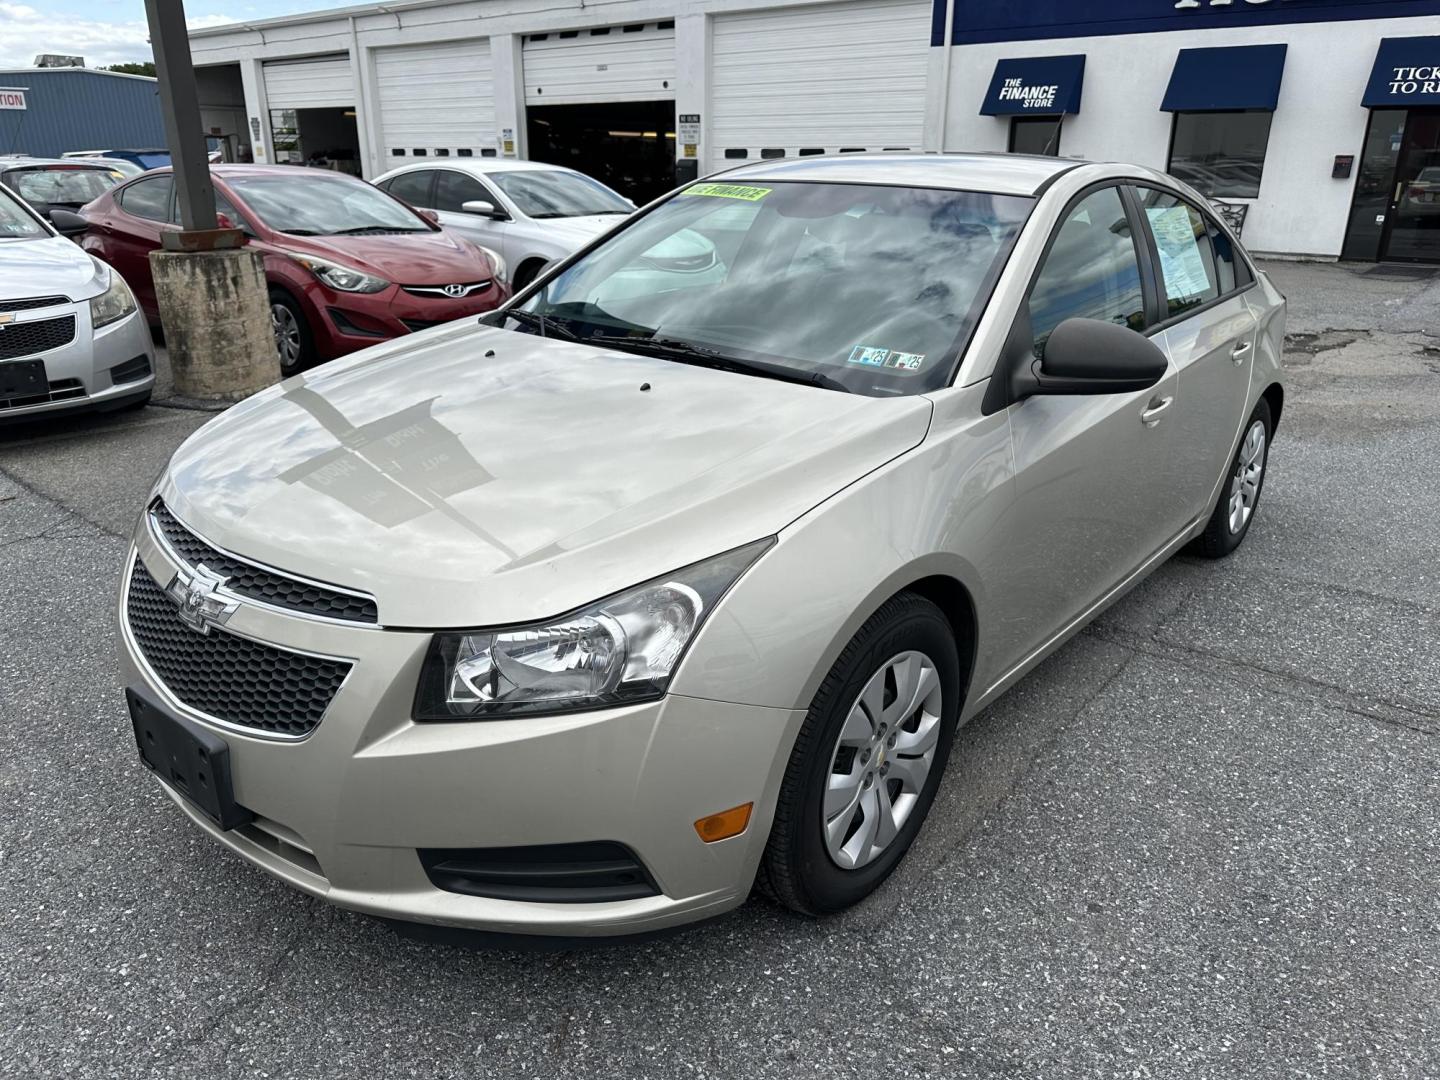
113, 31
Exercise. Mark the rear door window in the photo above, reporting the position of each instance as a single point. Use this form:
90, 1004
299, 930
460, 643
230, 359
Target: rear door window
413, 187
148, 198
1092, 270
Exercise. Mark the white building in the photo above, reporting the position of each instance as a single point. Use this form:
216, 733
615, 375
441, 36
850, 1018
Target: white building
1319, 120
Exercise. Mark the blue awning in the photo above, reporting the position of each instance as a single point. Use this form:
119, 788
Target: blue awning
1035, 84
1234, 78
1406, 72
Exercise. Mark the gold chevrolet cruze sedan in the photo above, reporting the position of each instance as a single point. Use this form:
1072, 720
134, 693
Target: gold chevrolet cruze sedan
677, 576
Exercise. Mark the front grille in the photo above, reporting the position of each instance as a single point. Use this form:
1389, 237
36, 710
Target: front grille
59, 390
437, 292
230, 678
27, 339
257, 583
33, 302
589, 873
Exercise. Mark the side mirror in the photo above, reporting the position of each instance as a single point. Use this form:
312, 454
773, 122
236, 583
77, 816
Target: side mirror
483, 208
67, 222
430, 216
1089, 356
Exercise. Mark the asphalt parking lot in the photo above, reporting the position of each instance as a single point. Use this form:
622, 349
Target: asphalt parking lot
1203, 840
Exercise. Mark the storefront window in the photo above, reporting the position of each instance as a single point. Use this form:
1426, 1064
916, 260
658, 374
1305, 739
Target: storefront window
1035, 135
1220, 154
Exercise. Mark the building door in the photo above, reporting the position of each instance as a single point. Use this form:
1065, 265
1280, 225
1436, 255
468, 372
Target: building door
1396, 211
1412, 233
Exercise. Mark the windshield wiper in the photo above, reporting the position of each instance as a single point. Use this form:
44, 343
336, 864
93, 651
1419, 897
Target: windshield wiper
685, 352
540, 322
299, 232
359, 229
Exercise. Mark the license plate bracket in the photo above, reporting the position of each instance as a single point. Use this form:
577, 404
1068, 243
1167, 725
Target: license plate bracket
23, 379
188, 758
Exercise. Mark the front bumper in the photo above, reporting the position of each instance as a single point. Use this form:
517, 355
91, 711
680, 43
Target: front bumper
346, 322
344, 811
83, 373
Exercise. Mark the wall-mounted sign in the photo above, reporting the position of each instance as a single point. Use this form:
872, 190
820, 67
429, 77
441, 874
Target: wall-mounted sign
12, 97
1034, 20
1035, 84
1344, 165
689, 135
507, 142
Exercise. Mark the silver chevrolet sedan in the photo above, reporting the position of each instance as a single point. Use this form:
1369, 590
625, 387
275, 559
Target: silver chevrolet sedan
659, 586
70, 336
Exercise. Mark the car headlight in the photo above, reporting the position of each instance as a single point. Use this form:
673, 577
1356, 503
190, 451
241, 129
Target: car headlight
614, 652
496, 260
344, 278
113, 304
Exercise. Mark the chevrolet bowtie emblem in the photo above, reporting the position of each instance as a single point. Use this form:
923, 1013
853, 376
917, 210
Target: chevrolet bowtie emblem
198, 600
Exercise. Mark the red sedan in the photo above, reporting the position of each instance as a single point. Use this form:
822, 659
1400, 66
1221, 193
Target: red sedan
347, 264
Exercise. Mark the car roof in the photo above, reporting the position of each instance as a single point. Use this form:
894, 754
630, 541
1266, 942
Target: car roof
481, 165
14, 161
1001, 174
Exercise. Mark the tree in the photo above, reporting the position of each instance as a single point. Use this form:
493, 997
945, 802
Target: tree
145, 68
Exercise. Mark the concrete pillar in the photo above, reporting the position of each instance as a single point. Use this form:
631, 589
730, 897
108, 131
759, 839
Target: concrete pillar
214, 307
257, 111
692, 84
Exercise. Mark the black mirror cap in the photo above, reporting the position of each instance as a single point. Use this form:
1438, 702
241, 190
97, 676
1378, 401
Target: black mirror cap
1089, 356
67, 222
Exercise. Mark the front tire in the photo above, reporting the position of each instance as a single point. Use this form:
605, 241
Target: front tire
1240, 496
294, 345
867, 762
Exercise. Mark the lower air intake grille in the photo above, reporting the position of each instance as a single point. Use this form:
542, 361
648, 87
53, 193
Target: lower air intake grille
228, 677
590, 873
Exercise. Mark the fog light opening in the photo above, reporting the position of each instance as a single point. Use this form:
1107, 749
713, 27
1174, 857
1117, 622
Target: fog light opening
724, 825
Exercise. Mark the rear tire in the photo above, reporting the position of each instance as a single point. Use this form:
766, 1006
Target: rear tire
867, 762
1240, 495
294, 345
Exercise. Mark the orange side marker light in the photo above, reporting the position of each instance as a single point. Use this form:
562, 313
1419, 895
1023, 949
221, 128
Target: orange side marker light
725, 824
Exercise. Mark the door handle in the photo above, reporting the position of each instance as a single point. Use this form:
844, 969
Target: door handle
1240, 351
1151, 416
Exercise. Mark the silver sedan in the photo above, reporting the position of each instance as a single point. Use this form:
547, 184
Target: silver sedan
70, 335
659, 586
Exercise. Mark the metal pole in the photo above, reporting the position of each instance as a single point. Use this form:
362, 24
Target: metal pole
180, 109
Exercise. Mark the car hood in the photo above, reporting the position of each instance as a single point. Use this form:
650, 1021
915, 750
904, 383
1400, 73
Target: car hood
432, 258
486, 476
53, 265
577, 231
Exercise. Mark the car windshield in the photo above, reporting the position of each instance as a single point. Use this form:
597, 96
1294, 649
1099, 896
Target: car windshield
856, 287
65, 185
15, 222
311, 203
546, 193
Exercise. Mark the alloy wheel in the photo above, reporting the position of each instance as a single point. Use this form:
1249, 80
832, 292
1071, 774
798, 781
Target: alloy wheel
881, 759
1245, 483
287, 334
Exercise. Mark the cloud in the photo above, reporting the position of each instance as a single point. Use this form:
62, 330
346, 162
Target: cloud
26, 32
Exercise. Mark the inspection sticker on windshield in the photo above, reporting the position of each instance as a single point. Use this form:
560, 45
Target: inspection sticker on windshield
899, 362
728, 191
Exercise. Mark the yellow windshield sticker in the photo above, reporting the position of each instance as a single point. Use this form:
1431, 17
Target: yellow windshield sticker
728, 191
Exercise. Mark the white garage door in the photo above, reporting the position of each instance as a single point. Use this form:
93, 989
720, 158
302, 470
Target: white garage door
824, 78
320, 82
612, 63
435, 97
